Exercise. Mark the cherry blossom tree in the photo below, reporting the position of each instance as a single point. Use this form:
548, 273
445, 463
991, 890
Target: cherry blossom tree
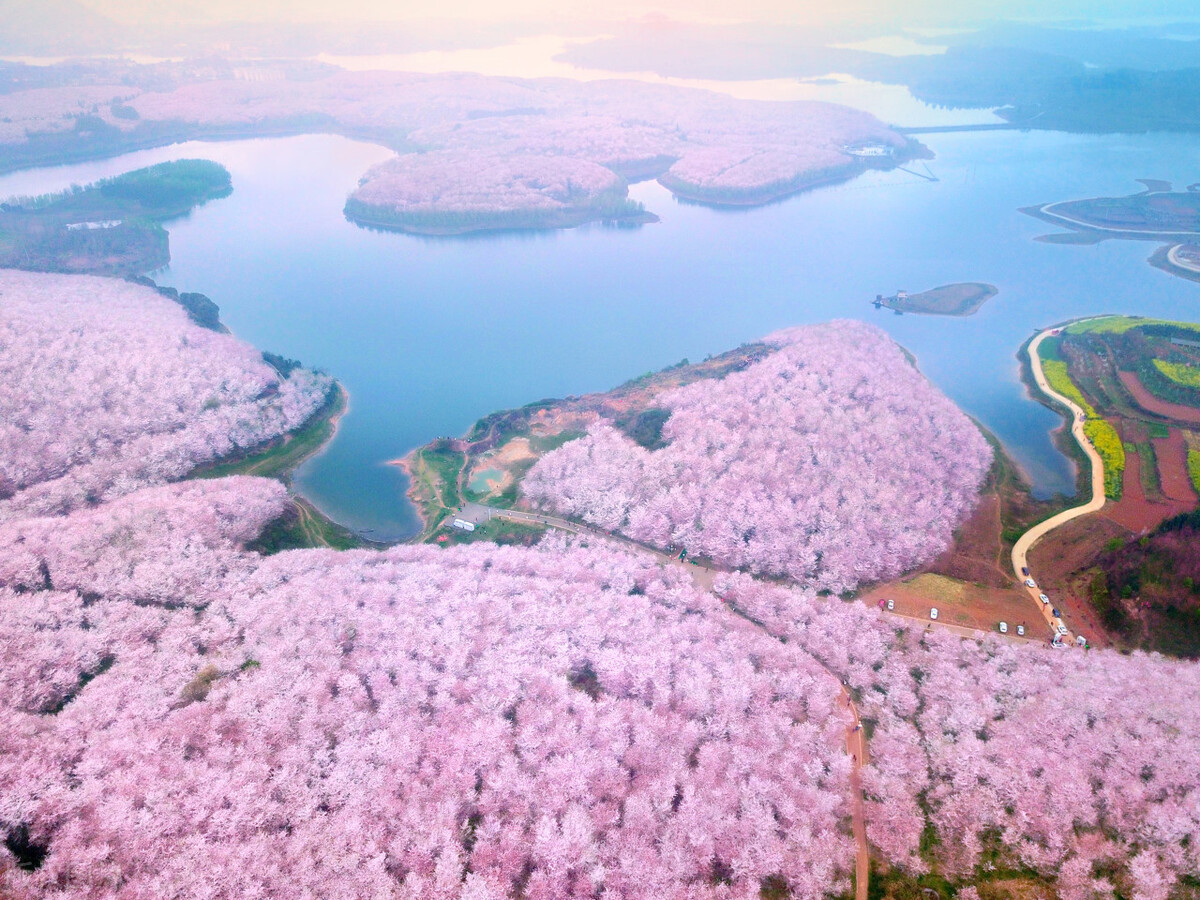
499, 148
179, 715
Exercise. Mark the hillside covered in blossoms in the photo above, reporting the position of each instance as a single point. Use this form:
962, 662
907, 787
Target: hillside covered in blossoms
1078, 766
832, 461
417, 723
475, 152
110, 387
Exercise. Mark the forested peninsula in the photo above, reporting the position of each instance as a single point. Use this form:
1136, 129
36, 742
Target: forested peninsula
112, 227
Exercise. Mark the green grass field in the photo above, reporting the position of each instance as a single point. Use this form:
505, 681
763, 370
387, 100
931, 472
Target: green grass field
1122, 324
497, 531
1180, 373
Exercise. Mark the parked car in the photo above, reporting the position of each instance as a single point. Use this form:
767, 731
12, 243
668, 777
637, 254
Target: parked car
1004, 628
891, 605
1062, 629
1021, 630
1056, 613
1057, 642
1025, 571
1044, 599
933, 613
1029, 582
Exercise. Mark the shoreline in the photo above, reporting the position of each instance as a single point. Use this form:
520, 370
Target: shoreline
1173, 259
759, 197
806, 181
1060, 434
1166, 259
1045, 213
272, 460
256, 459
552, 223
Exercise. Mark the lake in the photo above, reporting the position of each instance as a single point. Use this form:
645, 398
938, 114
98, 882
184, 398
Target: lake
430, 334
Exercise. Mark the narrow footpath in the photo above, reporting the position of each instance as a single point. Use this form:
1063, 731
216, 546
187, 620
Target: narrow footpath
856, 746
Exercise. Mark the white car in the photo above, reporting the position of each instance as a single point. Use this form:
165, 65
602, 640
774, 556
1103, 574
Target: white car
1029, 582
1004, 628
891, 605
1021, 630
933, 613
1061, 628
1044, 599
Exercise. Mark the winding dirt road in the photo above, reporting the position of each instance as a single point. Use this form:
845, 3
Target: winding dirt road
1020, 551
1175, 259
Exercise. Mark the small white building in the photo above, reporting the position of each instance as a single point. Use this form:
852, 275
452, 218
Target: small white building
93, 226
870, 151
463, 525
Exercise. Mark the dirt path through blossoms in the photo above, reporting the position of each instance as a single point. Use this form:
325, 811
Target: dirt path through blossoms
856, 746
1021, 549
702, 576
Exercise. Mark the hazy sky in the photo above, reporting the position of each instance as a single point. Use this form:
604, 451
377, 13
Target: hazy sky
796, 11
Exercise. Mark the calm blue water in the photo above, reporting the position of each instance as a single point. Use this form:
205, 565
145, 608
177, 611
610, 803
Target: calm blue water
428, 335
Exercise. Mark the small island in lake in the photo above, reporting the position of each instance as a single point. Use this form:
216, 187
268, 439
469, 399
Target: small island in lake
963, 298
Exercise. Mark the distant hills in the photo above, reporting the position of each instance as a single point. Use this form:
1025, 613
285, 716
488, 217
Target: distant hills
54, 28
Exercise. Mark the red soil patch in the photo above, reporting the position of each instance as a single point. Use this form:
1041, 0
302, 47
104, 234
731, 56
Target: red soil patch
979, 607
1149, 402
1133, 511
977, 554
1172, 468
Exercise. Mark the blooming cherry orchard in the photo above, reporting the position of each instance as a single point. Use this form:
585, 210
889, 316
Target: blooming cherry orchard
833, 461
479, 722
109, 387
1069, 763
180, 716
156, 550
